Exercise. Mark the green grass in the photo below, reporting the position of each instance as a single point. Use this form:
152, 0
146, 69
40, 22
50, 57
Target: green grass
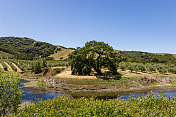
173, 84
123, 83
146, 106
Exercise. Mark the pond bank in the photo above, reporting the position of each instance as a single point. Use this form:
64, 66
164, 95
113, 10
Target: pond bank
99, 92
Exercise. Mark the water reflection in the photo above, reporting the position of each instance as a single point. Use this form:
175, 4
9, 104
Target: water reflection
35, 94
166, 94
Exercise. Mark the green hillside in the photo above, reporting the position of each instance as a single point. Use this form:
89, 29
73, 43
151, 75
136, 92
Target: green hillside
61, 53
26, 48
18, 46
137, 56
4, 55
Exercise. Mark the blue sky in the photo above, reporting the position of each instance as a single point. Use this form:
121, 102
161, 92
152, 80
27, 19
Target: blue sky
142, 25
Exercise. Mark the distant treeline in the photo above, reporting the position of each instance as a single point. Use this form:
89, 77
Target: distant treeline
25, 48
144, 57
28, 49
161, 68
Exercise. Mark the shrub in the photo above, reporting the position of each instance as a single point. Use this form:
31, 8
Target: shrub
58, 70
49, 72
10, 93
148, 79
146, 106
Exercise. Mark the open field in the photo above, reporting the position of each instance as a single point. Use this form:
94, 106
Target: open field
62, 53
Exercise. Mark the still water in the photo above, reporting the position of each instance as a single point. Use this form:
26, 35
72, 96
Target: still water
33, 94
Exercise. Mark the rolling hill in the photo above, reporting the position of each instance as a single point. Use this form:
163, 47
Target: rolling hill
61, 53
18, 45
138, 56
4, 55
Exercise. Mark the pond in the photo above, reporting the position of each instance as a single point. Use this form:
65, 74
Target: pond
36, 94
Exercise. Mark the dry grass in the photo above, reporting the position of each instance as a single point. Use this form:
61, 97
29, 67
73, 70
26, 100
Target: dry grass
67, 74
63, 53
18, 69
8, 66
164, 54
1, 66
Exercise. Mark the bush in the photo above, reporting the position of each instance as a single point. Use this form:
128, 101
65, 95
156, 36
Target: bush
58, 70
146, 106
49, 72
10, 93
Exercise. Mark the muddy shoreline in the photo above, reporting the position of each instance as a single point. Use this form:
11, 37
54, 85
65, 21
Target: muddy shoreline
96, 92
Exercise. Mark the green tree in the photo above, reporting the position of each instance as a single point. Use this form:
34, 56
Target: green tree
172, 69
141, 67
136, 68
10, 93
131, 67
32, 66
150, 67
44, 63
94, 55
123, 65
162, 70
37, 67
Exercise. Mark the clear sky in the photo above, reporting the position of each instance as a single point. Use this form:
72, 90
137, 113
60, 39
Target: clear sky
142, 25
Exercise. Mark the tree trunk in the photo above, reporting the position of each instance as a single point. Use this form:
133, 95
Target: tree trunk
98, 71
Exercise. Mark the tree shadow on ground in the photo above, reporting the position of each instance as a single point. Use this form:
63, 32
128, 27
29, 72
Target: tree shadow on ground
109, 76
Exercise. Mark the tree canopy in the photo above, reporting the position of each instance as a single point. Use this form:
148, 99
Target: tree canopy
24, 48
93, 56
144, 57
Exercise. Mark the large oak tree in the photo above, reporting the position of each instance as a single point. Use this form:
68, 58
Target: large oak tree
93, 56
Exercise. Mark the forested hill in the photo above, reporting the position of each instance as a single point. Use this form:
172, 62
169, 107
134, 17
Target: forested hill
137, 56
25, 47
